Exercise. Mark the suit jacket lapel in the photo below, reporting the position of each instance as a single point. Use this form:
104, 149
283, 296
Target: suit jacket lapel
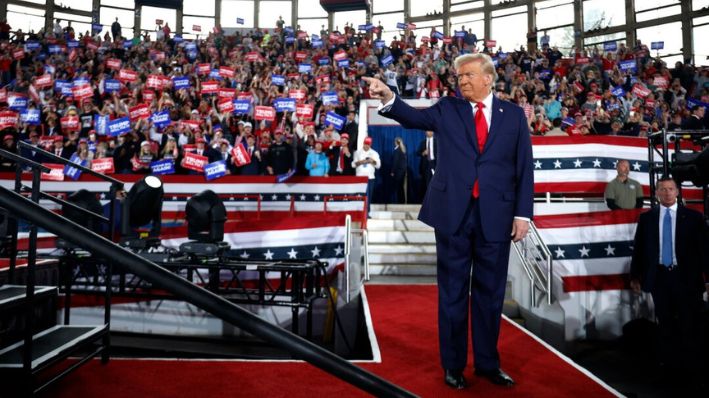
496, 116
466, 113
655, 233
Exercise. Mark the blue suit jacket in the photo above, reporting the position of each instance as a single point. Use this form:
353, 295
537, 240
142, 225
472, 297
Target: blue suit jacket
504, 169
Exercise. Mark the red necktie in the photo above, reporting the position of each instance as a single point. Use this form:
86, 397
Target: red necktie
481, 130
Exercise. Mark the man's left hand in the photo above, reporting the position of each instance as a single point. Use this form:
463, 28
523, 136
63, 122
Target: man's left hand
519, 229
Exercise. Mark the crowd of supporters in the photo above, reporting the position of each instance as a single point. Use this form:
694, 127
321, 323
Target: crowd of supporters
223, 91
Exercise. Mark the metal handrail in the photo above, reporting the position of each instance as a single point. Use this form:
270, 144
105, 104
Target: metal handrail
539, 279
202, 298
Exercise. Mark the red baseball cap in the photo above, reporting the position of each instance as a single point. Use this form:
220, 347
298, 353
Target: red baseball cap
368, 140
345, 135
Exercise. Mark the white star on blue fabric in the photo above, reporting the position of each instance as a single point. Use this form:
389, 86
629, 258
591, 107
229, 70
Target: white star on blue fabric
596, 163
578, 163
302, 197
317, 197
557, 164
316, 252
610, 250
292, 254
274, 197
244, 255
268, 255
537, 165
338, 251
636, 166
559, 252
584, 251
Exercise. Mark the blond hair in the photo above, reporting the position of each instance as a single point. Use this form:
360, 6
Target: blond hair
486, 64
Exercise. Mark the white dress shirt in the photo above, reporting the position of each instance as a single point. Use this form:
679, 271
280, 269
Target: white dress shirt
673, 213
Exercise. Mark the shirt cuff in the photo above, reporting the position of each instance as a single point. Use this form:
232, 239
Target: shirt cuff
386, 107
523, 218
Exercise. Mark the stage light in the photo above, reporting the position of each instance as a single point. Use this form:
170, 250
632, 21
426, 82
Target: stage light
205, 214
143, 205
692, 167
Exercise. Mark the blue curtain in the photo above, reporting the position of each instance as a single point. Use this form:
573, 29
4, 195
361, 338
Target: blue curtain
383, 142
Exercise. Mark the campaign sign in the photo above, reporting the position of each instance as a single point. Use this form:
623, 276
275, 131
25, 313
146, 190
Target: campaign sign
56, 172
177, 39
194, 162
197, 28
30, 116
8, 119
215, 170
335, 120
437, 35
386, 61
73, 172
447, 40
640, 90
239, 155
330, 98
304, 68
691, 103
225, 71
113, 63
298, 95
181, 82
316, 43
16, 101
72, 44
239, 21
284, 177
627, 66
379, 43
127, 44
323, 61
112, 86
411, 26
101, 124
278, 80
226, 105
401, 25
214, 74
657, 45
139, 112
661, 82
117, 127
157, 55
569, 121
290, 39
490, 43
162, 167
305, 111
368, 26
610, 46
148, 96
18, 54
127, 75
345, 63
618, 91
460, 34
161, 119
103, 165
43, 81
210, 87
284, 104
264, 113
32, 45
154, 81
96, 27
241, 106
64, 87
54, 49
300, 56
340, 55
253, 56
224, 92
191, 46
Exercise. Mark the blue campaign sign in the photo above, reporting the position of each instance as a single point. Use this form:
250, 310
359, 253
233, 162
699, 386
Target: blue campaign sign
345, 63
401, 25
278, 80
316, 43
335, 120
289, 29
496, 61
214, 74
460, 34
618, 91
80, 81
284, 104
180, 82
73, 172
304, 68
191, 46
215, 170
379, 43
615, 106
437, 35
691, 103
386, 61
30, 116
127, 43
54, 49
118, 126
657, 45
323, 61
330, 98
290, 39
32, 45
242, 106
177, 39
63, 86
160, 119
610, 46
72, 44
284, 177
96, 27
17, 102
239, 21
160, 167
544, 73
502, 55
101, 124
569, 121
314, 37
191, 55
627, 65
365, 27
112, 86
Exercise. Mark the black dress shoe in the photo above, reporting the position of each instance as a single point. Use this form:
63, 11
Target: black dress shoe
496, 376
455, 379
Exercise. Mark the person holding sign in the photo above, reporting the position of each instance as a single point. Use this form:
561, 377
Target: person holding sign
479, 200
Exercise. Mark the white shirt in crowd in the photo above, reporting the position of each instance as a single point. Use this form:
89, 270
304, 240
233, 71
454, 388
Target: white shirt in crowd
366, 169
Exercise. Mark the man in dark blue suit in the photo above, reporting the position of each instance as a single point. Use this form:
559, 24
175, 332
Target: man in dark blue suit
479, 199
670, 262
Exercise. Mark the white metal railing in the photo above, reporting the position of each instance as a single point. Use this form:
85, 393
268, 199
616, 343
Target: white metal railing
537, 263
356, 261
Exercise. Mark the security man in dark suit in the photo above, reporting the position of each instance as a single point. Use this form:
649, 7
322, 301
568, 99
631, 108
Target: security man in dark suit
670, 262
427, 152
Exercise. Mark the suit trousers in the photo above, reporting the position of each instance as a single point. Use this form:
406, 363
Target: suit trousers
472, 275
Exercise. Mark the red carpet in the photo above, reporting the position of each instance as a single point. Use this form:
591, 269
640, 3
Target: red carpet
404, 319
